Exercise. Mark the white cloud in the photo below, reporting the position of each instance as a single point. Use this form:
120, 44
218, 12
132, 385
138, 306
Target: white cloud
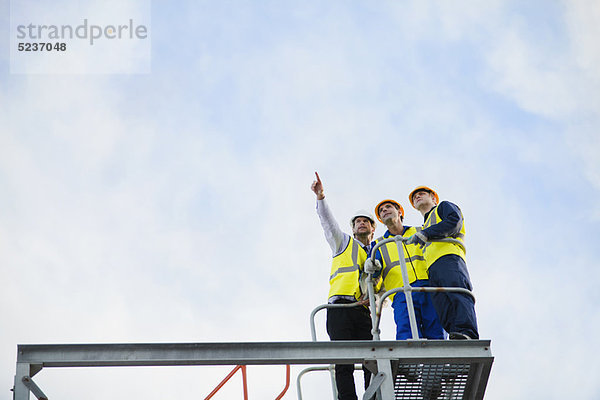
554, 78
581, 18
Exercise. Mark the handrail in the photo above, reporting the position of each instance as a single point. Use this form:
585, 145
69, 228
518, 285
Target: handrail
376, 309
407, 289
304, 371
418, 289
224, 381
313, 331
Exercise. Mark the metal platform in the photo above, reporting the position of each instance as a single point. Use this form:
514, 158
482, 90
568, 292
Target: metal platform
439, 381
409, 369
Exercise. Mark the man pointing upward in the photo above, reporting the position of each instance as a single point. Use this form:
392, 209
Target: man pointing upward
349, 255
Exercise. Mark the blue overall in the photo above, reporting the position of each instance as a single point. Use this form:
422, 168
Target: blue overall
455, 310
428, 323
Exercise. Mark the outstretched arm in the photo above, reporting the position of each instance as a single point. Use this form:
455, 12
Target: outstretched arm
337, 239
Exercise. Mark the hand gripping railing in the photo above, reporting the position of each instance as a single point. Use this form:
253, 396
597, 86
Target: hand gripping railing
407, 289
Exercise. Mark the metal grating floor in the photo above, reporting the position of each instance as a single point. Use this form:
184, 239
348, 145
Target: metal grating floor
431, 381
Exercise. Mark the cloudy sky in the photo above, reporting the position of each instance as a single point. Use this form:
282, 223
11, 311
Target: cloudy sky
174, 205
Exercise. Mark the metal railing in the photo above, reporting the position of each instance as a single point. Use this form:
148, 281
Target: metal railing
313, 331
406, 288
376, 310
313, 334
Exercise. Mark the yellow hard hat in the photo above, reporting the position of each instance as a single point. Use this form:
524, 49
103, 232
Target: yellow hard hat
394, 202
410, 196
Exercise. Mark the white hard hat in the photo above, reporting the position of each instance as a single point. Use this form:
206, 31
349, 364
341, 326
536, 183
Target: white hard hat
362, 213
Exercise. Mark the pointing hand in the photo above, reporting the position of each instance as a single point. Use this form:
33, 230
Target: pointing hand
317, 187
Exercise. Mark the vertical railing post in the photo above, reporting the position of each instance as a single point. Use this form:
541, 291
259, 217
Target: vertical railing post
372, 307
333, 384
407, 288
313, 332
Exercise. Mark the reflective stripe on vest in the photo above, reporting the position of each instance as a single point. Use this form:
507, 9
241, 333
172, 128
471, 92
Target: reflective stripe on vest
434, 250
415, 262
343, 279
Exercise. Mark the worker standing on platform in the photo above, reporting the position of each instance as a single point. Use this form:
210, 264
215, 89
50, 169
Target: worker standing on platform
349, 255
445, 261
391, 213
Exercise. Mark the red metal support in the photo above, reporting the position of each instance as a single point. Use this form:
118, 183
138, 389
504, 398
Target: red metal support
224, 381
245, 382
287, 382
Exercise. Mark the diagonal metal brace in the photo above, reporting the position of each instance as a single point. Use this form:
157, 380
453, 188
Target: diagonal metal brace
374, 386
33, 388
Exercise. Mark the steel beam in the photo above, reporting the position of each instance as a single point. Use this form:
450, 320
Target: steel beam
31, 358
251, 353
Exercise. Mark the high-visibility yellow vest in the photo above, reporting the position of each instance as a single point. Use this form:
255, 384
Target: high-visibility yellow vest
434, 250
345, 271
413, 256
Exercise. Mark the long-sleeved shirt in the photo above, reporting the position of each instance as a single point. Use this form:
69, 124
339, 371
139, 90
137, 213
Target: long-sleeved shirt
450, 224
337, 239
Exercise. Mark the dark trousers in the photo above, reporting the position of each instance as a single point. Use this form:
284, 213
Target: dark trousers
348, 324
456, 310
